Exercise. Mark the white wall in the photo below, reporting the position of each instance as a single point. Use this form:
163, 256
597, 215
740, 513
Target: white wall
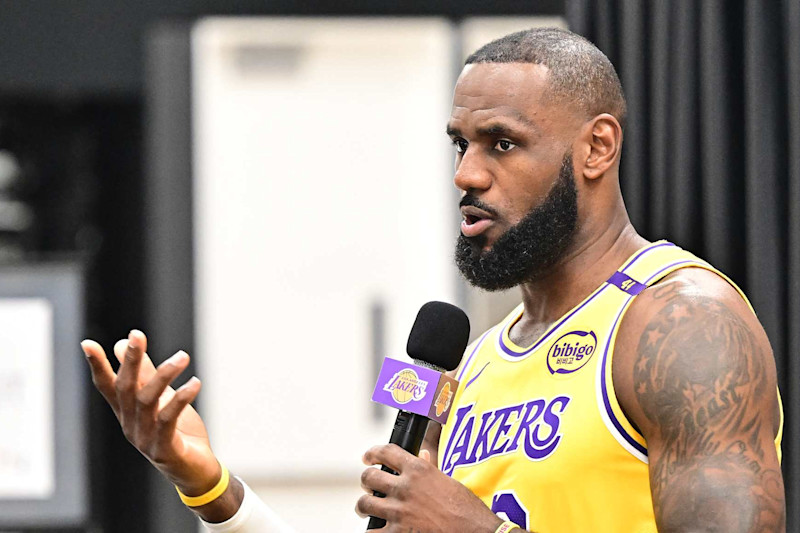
322, 185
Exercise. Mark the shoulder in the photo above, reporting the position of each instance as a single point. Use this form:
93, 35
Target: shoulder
694, 371
690, 331
682, 298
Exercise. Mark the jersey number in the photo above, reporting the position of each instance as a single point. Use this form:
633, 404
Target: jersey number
507, 506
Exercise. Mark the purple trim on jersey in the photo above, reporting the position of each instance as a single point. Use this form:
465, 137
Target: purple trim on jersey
640, 254
626, 283
510, 352
469, 359
670, 266
603, 384
476, 375
604, 388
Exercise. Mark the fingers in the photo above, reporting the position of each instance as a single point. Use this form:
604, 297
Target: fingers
119, 349
128, 376
152, 393
369, 505
103, 375
425, 455
147, 408
167, 371
376, 479
390, 455
395, 487
168, 416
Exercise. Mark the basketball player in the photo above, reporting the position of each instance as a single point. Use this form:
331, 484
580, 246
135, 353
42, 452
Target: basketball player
633, 390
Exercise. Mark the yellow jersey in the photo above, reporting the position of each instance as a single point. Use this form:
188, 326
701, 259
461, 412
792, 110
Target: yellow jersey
537, 432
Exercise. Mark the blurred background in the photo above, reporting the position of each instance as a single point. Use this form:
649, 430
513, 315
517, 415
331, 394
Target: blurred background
267, 185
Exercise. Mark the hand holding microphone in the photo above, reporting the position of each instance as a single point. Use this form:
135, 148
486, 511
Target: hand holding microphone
422, 391
408, 492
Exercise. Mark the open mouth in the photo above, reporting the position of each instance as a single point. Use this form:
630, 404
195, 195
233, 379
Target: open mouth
471, 219
475, 221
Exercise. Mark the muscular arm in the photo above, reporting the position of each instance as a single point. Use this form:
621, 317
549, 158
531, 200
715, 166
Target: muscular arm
696, 374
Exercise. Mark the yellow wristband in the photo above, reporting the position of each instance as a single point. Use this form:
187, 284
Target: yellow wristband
210, 496
505, 527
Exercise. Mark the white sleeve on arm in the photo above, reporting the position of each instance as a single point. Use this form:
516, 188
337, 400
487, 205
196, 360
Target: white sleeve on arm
253, 516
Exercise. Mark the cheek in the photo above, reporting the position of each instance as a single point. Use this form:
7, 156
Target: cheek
523, 181
533, 176
524, 196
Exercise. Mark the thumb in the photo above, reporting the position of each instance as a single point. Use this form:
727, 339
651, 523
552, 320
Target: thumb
425, 455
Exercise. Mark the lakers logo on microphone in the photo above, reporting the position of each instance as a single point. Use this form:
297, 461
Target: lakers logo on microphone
405, 386
442, 402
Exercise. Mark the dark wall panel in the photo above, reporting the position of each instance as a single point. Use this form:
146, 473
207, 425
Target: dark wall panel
85, 47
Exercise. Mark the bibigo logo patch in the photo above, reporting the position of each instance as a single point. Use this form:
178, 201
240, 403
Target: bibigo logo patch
406, 386
571, 352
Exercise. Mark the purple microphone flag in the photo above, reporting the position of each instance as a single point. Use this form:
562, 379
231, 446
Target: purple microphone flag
415, 389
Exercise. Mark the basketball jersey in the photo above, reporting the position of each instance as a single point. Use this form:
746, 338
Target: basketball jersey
537, 432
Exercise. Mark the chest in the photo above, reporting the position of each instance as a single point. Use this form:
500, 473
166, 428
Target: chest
540, 409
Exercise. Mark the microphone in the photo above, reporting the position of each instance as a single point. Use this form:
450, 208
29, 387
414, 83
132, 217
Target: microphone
436, 343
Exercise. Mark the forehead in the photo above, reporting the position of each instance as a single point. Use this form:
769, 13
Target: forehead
488, 90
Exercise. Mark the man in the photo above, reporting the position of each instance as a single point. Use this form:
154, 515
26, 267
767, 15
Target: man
632, 390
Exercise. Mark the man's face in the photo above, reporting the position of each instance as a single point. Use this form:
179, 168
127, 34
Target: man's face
514, 167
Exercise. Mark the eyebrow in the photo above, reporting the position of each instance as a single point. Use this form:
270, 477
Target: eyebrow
523, 119
495, 129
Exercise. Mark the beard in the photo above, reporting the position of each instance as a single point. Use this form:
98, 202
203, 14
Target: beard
530, 248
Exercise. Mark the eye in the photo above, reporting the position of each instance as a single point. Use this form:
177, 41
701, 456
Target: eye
504, 145
461, 145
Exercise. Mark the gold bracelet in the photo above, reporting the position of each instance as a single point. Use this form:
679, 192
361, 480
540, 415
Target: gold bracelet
210, 496
505, 527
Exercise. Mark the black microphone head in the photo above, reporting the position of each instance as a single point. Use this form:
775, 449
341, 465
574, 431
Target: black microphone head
439, 336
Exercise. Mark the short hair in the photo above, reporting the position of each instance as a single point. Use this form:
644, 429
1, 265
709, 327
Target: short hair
579, 73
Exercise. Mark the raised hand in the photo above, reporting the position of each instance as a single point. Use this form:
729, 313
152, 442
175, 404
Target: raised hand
157, 419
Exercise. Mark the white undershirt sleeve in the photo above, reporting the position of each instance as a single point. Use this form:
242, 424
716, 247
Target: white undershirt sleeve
253, 516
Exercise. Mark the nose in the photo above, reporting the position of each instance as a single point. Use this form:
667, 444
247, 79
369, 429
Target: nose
472, 173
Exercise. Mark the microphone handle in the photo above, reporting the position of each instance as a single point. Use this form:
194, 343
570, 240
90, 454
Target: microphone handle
409, 430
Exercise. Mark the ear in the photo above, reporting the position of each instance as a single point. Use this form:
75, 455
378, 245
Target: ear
603, 135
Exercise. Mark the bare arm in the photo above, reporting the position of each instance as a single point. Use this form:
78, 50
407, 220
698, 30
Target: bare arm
698, 377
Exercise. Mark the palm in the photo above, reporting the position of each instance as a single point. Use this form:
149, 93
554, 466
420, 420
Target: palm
191, 427
190, 432
190, 444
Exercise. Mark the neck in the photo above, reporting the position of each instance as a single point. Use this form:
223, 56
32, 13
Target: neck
585, 265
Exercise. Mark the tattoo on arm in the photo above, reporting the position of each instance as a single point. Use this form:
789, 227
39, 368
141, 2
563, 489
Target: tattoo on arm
701, 379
